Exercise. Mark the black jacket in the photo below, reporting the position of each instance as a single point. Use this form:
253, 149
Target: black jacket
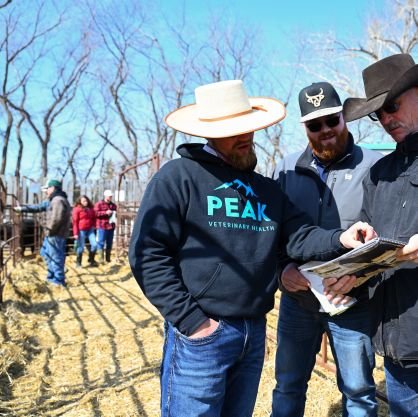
206, 239
391, 206
336, 203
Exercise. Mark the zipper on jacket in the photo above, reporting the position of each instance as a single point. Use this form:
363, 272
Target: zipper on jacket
320, 210
321, 194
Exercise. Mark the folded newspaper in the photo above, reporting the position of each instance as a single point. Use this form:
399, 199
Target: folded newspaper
364, 262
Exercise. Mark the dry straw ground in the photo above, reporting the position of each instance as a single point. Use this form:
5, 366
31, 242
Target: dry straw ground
93, 349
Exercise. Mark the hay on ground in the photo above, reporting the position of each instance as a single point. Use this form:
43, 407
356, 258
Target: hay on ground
94, 348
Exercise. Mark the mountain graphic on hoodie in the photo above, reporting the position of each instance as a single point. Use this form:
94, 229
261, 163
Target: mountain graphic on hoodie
237, 184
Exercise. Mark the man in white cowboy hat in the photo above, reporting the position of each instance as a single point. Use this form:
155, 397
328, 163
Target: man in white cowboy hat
325, 180
391, 205
203, 250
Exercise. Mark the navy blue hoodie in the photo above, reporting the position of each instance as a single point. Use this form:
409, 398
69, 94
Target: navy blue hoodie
206, 239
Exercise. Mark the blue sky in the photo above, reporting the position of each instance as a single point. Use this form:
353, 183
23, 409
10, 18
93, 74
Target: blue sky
298, 14
280, 23
280, 19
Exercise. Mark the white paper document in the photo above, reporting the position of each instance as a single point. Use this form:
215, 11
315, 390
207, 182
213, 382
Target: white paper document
364, 262
318, 289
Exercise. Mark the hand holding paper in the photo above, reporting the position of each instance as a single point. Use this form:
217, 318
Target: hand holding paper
410, 251
361, 263
357, 234
293, 280
327, 306
335, 289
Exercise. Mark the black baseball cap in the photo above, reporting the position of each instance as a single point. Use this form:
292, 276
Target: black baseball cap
317, 100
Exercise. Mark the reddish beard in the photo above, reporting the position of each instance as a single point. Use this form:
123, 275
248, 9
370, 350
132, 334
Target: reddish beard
329, 151
243, 162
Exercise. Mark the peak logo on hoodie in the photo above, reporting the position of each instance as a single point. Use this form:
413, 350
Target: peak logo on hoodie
238, 184
237, 207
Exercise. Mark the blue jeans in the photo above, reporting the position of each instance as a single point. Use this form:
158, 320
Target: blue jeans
105, 237
53, 251
299, 338
402, 389
82, 236
213, 376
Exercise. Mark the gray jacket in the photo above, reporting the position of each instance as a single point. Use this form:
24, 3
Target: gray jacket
391, 206
334, 204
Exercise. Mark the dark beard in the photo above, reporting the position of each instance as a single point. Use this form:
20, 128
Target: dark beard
330, 152
244, 163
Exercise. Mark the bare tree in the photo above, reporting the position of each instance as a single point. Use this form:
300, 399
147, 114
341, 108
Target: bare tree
93, 162
104, 126
164, 88
69, 155
20, 149
226, 51
62, 92
19, 137
5, 3
15, 45
394, 29
7, 134
150, 72
116, 30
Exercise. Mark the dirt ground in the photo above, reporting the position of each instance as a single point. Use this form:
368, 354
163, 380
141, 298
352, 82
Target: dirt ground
93, 349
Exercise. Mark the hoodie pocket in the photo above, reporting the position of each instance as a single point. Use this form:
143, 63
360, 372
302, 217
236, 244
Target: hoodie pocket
210, 282
235, 289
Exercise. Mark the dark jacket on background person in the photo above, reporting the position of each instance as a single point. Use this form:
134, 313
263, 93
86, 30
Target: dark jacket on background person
336, 203
102, 218
206, 238
391, 206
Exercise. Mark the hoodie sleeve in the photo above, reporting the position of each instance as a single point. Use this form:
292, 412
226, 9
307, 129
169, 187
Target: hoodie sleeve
156, 239
305, 242
283, 258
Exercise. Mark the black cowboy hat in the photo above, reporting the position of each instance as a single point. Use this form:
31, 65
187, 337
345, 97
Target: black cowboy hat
383, 81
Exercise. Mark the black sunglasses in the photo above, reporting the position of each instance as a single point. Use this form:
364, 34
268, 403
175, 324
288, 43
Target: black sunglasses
317, 125
389, 108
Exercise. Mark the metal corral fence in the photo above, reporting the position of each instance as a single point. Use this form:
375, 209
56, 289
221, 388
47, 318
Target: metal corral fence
128, 187
128, 208
19, 232
26, 226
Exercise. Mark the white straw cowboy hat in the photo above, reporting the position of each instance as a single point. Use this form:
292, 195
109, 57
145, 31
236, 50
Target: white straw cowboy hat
223, 109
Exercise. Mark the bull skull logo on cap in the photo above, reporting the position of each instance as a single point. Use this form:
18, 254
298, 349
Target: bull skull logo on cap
315, 100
